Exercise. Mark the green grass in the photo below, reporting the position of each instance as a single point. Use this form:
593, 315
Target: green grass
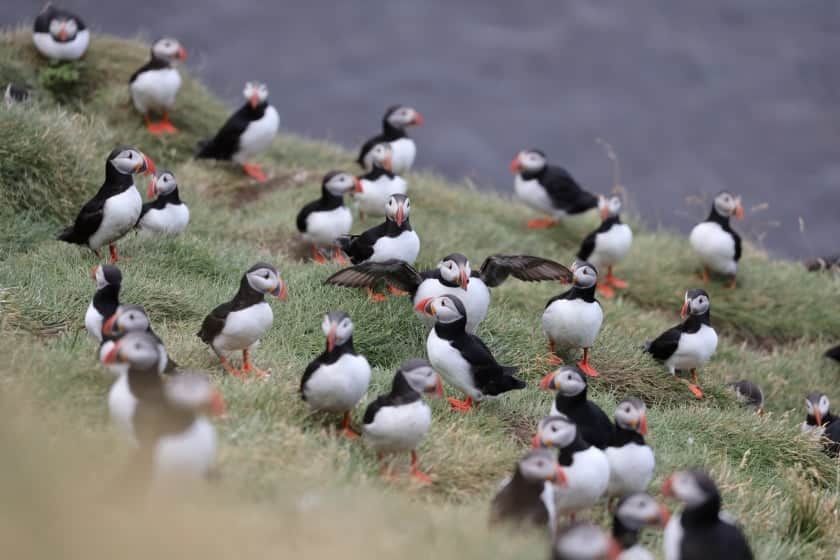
287, 483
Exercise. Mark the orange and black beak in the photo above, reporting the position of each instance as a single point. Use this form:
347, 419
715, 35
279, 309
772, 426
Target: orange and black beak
217, 404
739, 210
418, 119
514, 165
437, 388
152, 192
642, 427
114, 356
465, 278
62, 32
615, 551
182, 53
331, 337
254, 100
547, 382
388, 164
663, 517
280, 291
108, 325
358, 186
559, 477
400, 214
684, 310
146, 167
668, 487
425, 306
818, 416
605, 210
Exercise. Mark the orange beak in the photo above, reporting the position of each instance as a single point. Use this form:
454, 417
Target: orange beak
387, 164
400, 215
739, 211
93, 272
152, 192
147, 166
359, 188
547, 382
418, 119
668, 487
560, 477
331, 338
664, 515
818, 417
605, 213
255, 100
112, 356
425, 306
217, 404
108, 326
684, 310
182, 53
465, 280
514, 165
62, 33
280, 291
437, 389
615, 550
643, 424
536, 443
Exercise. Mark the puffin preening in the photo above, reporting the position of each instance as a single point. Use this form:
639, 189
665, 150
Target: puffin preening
714, 240
323, 221
248, 132
608, 245
154, 85
377, 185
115, 208
60, 35
631, 460
396, 119
167, 213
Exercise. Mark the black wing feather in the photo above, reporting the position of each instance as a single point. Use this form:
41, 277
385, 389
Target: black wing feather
587, 246
226, 142
368, 274
664, 346
307, 373
565, 193
87, 222
496, 269
215, 322
304, 213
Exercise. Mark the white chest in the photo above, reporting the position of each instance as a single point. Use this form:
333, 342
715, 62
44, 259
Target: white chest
572, 323
694, 349
322, 228
119, 216
587, 479
636, 552
121, 406
631, 468
673, 538
188, 455
244, 327
451, 365
93, 322
155, 89
71, 50
533, 194
339, 386
715, 247
374, 196
172, 219
403, 151
405, 247
612, 246
476, 300
399, 428
258, 136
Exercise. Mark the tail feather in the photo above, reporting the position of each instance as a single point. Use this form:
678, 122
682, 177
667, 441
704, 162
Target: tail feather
507, 382
69, 235
834, 353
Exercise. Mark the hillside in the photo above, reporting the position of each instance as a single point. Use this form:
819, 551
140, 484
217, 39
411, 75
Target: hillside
286, 483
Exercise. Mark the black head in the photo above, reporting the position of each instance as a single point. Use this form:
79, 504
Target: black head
568, 380
529, 162
455, 269
727, 204
337, 183
635, 511
265, 279
162, 184
127, 318
445, 309
584, 541
631, 414
127, 160
696, 302
168, 49
540, 465
62, 26
693, 487
106, 275
555, 432
256, 93
584, 274
138, 349
338, 328
401, 116
398, 209
420, 376
818, 406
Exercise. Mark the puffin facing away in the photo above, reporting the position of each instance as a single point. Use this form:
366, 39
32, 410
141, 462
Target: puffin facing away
631, 460
607, 245
394, 123
154, 85
714, 240
548, 189
60, 35
461, 358
106, 299
375, 186
239, 323
571, 400
115, 208
633, 513
584, 541
454, 276
167, 213
248, 132
324, 220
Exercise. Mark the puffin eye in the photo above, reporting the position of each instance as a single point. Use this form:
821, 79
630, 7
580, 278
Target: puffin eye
540, 464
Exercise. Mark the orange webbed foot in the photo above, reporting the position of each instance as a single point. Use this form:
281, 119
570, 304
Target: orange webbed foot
586, 368
540, 223
376, 297
339, 257
421, 477
605, 290
695, 390
616, 283
554, 359
396, 291
460, 406
255, 171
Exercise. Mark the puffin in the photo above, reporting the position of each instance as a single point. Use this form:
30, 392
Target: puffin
397, 421
749, 394
584, 541
633, 513
167, 213
631, 459
15, 93
833, 353
608, 245
701, 530
527, 498
337, 379
822, 422
375, 186
821, 264
60, 35
690, 344
323, 221
573, 318
115, 208
248, 132
454, 276
106, 299
239, 323
570, 383
175, 440
587, 468
154, 85
548, 189
396, 119
714, 240
461, 358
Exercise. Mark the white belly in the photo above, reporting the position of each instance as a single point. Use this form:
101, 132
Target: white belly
636, 552
631, 469
587, 479
172, 219
715, 247
71, 50
322, 228
190, 454
611, 246
534, 195
93, 322
694, 350
476, 300
119, 217
448, 362
572, 323
672, 538
244, 327
374, 198
405, 247
258, 136
155, 89
121, 406
399, 428
339, 386
403, 151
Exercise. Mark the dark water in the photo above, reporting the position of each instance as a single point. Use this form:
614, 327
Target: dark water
695, 96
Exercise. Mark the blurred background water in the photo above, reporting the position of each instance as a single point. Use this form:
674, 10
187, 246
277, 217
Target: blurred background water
694, 96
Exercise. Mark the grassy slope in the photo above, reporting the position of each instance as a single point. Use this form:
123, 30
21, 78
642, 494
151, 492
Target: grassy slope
273, 451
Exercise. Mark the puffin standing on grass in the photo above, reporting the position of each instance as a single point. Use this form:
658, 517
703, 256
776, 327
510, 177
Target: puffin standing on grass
115, 208
631, 460
324, 220
822, 422
608, 245
60, 35
375, 186
462, 358
106, 299
749, 394
633, 513
394, 123
248, 132
167, 213
154, 85
454, 276
548, 189
570, 383
690, 344
398, 421
573, 318
714, 240
338, 378
239, 323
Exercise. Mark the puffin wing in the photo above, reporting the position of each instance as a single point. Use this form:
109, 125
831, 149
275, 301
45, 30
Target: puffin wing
368, 146
304, 213
565, 192
214, 322
87, 222
488, 375
834, 353
360, 247
307, 373
664, 346
565, 295
496, 268
226, 141
587, 246
374, 407
368, 274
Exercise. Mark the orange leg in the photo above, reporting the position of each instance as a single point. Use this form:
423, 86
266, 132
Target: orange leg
540, 223
317, 256
339, 257
248, 367
612, 280
230, 369
461, 406
707, 277
346, 430
114, 256
255, 171
694, 385
396, 291
166, 125
375, 297
416, 473
153, 128
553, 358
584, 365
605, 289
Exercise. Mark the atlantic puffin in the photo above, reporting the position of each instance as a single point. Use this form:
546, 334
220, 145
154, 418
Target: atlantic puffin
375, 186
338, 378
587, 468
608, 245
822, 422
324, 220
167, 213
60, 35
394, 123
749, 394
398, 421
633, 513
461, 358
714, 240
248, 132
631, 459
833, 353
106, 298
154, 85
527, 498
454, 276
573, 318
690, 344
584, 541
571, 400
548, 189
15, 93
701, 531
239, 323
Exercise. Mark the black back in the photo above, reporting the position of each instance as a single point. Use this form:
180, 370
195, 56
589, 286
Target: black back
576, 292
594, 426
160, 202
225, 144
401, 393
723, 222
664, 346
588, 244
359, 248
834, 353
565, 193
246, 296
519, 502
153, 64
327, 202
327, 357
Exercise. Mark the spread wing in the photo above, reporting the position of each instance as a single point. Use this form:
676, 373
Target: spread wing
368, 274
496, 269
664, 346
214, 322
